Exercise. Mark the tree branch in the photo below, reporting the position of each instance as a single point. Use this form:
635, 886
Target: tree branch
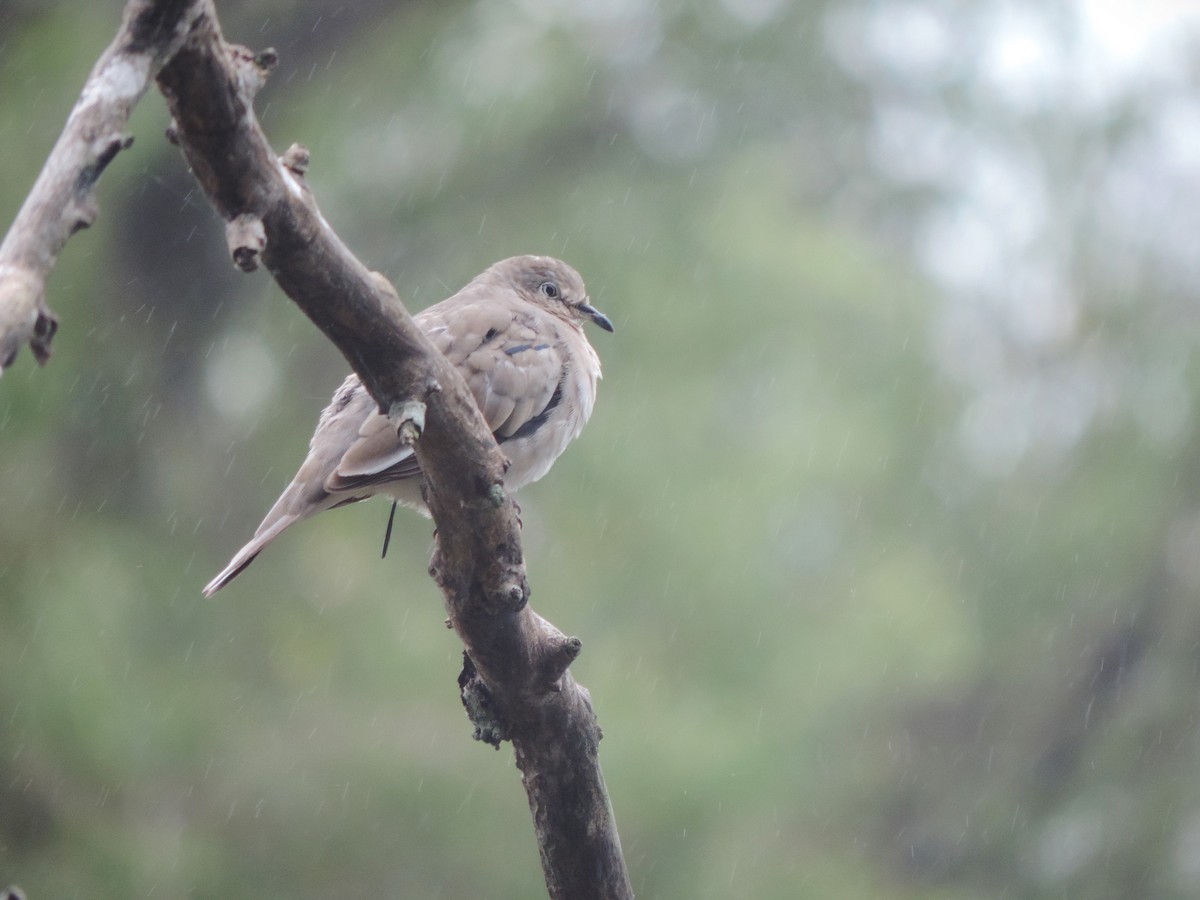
515, 683
61, 202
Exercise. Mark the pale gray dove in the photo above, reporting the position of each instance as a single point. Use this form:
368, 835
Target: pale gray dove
516, 335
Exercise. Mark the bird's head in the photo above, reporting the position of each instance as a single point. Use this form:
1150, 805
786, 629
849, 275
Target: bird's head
553, 285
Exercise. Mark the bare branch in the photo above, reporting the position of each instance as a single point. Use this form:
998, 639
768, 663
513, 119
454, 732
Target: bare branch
515, 682
61, 202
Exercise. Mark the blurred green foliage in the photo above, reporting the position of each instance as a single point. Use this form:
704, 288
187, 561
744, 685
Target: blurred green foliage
882, 542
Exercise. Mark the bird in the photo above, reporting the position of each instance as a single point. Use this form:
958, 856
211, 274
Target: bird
515, 333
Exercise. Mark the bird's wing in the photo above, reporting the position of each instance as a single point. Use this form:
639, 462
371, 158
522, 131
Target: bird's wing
375, 456
512, 355
512, 360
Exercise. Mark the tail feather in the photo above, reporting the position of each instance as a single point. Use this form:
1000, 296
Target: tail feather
246, 555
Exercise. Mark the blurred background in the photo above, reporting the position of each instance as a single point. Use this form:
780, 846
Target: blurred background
883, 542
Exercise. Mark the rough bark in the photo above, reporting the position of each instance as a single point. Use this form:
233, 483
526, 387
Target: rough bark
515, 684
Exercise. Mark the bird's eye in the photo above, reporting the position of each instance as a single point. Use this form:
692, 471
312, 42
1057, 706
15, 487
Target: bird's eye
549, 289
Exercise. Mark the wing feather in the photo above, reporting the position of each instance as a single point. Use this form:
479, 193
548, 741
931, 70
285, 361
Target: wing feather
512, 362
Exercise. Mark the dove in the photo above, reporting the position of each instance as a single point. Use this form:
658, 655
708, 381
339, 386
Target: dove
515, 333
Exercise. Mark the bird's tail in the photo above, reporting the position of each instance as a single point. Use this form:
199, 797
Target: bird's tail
298, 501
266, 533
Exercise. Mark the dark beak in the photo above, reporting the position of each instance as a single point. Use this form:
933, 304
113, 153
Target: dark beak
596, 316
